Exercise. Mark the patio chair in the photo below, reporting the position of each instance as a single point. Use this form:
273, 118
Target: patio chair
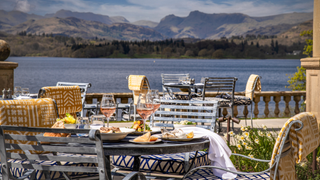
168, 92
298, 137
221, 85
68, 98
253, 84
91, 108
138, 84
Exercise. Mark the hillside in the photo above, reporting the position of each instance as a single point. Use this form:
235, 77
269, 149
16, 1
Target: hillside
88, 16
86, 29
13, 18
214, 26
148, 24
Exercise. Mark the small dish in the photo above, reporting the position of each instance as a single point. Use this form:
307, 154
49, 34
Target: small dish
70, 126
114, 137
151, 142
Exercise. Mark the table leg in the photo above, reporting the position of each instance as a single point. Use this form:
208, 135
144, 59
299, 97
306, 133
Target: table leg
136, 165
108, 167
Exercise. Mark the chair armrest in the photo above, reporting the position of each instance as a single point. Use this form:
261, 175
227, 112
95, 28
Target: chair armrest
261, 160
133, 174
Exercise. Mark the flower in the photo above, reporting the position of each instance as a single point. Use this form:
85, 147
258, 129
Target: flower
303, 164
231, 133
256, 141
244, 143
246, 134
239, 146
242, 128
242, 138
318, 159
269, 135
251, 156
264, 127
225, 135
246, 129
260, 133
248, 148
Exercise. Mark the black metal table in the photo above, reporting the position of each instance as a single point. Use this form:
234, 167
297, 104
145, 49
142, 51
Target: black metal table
124, 147
185, 86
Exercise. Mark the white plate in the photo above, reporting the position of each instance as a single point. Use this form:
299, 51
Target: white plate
180, 139
178, 126
153, 131
116, 136
151, 142
70, 126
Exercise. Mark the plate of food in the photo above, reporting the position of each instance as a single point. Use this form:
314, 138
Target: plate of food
184, 123
178, 135
146, 139
138, 128
114, 134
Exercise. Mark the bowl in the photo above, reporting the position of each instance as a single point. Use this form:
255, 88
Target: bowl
70, 126
114, 137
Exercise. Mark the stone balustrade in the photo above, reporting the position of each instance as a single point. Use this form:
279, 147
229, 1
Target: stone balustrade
280, 101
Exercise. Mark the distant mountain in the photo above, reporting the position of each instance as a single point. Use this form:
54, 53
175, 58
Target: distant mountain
88, 16
149, 24
297, 29
214, 26
271, 30
86, 29
13, 18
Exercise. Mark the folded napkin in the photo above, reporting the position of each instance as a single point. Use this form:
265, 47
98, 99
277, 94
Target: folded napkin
219, 152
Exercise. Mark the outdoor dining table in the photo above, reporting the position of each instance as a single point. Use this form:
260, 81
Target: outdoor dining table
124, 147
194, 86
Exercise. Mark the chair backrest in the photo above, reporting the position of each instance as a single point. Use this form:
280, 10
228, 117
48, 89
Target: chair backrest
68, 98
138, 84
172, 111
54, 145
83, 87
172, 78
219, 84
28, 113
253, 84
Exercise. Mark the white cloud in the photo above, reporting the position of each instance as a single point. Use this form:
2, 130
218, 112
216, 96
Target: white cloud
22, 5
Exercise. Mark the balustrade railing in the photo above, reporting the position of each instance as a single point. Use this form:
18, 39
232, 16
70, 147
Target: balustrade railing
266, 103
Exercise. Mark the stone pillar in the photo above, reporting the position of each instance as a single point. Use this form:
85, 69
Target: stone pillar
312, 66
7, 75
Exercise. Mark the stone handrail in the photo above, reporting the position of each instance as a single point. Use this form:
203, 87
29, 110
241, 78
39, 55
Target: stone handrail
266, 96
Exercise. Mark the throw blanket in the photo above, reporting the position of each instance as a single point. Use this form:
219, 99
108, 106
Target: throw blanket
250, 85
219, 152
303, 143
28, 112
68, 98
138, 84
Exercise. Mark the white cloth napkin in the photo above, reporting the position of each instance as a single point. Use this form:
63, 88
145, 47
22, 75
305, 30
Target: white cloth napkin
219, 152
23, 97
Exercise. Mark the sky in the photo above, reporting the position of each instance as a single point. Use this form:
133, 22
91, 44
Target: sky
155, 10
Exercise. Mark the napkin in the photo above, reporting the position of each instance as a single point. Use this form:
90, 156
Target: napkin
219, 152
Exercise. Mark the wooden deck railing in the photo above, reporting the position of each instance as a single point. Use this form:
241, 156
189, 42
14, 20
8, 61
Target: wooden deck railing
279, 99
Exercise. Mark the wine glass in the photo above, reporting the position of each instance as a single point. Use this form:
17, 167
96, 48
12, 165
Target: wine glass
155, 99
17, 91
145, 107
25, 92
107, 107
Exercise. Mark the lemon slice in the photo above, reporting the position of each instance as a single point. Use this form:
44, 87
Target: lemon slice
190, 135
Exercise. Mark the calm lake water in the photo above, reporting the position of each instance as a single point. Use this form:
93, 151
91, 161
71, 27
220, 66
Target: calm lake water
109, 75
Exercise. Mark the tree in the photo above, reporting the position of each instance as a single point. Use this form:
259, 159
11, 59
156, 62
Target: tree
308, 48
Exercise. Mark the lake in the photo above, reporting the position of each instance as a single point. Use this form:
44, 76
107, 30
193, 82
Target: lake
109, 75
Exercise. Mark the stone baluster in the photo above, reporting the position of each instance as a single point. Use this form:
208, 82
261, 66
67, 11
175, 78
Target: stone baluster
235, 111
297, 100
287, 99
256, 110
225, 112
276, 99
245, 111
266, 99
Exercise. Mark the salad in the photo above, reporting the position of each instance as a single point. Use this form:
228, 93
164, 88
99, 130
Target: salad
138, 126
185, 122
69, 119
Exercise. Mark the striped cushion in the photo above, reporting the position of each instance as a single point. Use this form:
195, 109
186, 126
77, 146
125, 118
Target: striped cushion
18, 172
178, 96
164, 163
237, 100
207, 174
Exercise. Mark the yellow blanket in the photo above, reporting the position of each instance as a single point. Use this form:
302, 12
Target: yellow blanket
138, 84
28, 112
250, 85
68, 98
303, 143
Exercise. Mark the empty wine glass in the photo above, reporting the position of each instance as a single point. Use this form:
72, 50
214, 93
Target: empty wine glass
145, 107
107, 107
17, 91
25, 92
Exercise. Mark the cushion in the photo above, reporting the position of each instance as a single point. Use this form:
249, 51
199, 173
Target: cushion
223, 102
164, 163
18, 172
237, 100
178, 96
207, 174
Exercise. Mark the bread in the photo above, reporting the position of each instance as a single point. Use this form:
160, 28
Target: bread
153, 138
143, 138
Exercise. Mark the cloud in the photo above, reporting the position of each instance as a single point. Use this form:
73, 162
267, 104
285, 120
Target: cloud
22, 5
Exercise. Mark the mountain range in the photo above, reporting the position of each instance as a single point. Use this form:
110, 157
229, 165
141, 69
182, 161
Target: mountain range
197, 25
